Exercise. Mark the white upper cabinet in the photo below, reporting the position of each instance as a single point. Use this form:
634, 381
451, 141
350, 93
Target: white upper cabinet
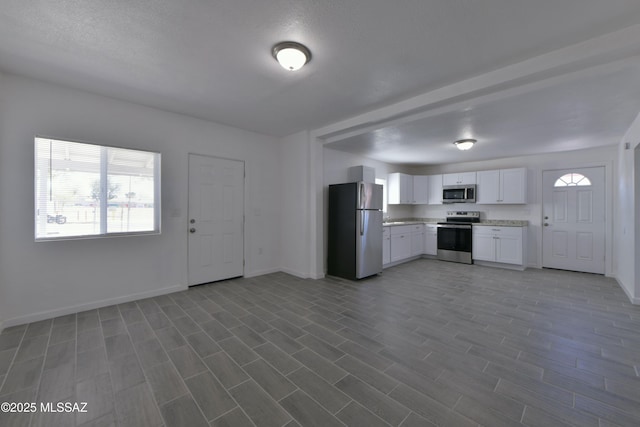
502, 186
400, 191
408, 189
488, 191
462, 178
435, 190
493, 187
420, 190
513, 185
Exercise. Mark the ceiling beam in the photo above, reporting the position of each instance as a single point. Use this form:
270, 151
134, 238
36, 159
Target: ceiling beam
616, 46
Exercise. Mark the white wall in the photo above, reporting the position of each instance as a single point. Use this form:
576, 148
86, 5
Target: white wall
626, 233
336, 165
38, 280
295, 216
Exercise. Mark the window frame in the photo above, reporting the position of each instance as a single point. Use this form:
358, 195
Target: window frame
572, 183
157, 193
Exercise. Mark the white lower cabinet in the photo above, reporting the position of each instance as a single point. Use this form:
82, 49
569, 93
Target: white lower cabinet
386, 246
498, 244
430, 239
509, 249
484, 244
491, 244
417, 239
400, 242
400, 247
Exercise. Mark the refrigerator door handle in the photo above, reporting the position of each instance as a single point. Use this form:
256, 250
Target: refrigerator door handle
362, 222
362, 199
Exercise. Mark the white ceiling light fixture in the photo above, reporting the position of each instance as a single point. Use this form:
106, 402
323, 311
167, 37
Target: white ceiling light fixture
291, 55
464, 144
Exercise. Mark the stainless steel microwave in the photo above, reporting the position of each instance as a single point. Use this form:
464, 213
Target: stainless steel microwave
459, 193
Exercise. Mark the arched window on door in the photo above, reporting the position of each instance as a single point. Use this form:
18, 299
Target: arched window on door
572, 180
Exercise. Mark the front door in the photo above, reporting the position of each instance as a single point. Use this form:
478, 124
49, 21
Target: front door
573, 226
216, 217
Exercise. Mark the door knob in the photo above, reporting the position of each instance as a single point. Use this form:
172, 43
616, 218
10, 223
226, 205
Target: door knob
193, 221
192, 230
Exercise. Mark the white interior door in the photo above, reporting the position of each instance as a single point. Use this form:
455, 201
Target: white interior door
216, 216
573, 231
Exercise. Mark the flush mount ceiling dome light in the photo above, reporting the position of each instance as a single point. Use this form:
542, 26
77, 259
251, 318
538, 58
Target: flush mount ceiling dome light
464, 144
291, 55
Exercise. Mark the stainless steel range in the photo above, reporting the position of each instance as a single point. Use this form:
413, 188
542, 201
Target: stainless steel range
454, 236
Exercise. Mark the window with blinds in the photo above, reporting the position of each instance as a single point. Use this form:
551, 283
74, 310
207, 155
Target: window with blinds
85, 190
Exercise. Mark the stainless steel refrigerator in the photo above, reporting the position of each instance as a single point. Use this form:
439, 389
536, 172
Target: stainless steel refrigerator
355, 230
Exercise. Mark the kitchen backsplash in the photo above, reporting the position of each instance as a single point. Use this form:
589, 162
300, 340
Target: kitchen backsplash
497, 212
399, 211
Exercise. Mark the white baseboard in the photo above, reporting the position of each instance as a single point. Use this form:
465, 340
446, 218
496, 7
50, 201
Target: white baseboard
295, 273
635, 301
88, 306
261, 272
517, 267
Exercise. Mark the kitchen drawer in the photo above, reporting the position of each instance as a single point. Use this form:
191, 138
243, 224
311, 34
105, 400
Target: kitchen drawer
506, 231
417, 228
401, 229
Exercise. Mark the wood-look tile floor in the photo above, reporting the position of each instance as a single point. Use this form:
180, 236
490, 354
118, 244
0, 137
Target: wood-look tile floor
427, 343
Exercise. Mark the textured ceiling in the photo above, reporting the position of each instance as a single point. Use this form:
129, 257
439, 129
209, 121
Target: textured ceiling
211, 59
582, 112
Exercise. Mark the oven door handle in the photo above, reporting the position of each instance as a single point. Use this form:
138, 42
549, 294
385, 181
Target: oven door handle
466, 227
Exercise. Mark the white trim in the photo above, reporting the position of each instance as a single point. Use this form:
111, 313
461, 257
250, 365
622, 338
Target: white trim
632, 300
517, 267
89, 306
262, 272
298, 274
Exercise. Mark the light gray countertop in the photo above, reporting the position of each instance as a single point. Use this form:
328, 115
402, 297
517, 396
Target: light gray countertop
494, 222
